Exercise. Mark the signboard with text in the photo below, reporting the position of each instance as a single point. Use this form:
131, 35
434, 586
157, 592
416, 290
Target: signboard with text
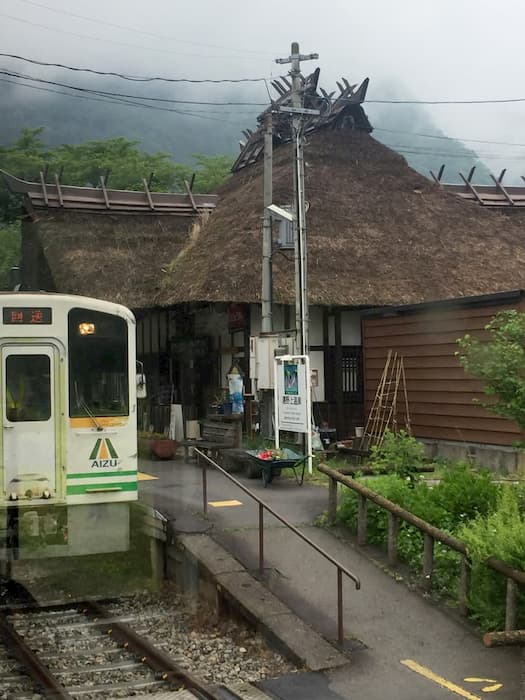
291, 394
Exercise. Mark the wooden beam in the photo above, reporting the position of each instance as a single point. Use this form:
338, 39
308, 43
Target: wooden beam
105, 192
471, 188
59, 190
148, 194
44, 188
190, 195
503, 191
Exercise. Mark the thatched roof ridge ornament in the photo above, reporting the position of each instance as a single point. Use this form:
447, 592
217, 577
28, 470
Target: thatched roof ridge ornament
344, 110
55, 195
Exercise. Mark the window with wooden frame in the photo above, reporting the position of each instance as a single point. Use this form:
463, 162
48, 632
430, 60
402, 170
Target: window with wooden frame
345, 375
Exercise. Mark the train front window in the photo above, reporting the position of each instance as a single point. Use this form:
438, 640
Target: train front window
98, 364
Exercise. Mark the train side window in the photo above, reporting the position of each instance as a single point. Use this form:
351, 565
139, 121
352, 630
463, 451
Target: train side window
28, 388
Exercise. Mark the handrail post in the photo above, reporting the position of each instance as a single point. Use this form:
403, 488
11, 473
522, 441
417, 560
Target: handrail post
464, 585
428, 561
510, 605
361, 521
393, 527
332, 501
261, 539
340, 631
204, 486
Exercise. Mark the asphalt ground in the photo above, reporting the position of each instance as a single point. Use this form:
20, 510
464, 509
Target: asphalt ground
402, 645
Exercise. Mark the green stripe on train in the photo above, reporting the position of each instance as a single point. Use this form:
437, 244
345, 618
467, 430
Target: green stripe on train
112, 450
90, 488
94, 451
97, 475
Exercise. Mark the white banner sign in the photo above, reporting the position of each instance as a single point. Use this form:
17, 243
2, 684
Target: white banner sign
292, 394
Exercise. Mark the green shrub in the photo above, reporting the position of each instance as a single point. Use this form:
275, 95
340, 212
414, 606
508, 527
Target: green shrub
400, 453
463, 498
501, 534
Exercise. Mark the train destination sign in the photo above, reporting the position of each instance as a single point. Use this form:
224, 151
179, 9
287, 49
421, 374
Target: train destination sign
26, 316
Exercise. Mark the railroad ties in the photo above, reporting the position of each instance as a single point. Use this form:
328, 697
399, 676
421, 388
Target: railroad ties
82, 650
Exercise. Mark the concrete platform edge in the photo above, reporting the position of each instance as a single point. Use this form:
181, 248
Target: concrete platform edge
234, 585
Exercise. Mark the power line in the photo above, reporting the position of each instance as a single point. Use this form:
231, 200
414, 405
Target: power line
133, 78
99, 21
117, 101
121, 43
447, 102
448, 138
132, 97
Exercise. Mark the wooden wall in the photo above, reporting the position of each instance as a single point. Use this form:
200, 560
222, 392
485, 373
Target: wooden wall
440, 394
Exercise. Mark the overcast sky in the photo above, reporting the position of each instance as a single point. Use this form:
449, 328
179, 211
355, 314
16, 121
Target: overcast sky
446, 50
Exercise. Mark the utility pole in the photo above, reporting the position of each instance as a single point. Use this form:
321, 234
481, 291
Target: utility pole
266, 297
301, 262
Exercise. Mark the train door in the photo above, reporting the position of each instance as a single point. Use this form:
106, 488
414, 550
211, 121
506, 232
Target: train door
28, 421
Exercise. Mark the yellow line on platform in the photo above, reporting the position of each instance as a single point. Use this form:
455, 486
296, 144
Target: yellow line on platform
141, 476
431, 676
224, 504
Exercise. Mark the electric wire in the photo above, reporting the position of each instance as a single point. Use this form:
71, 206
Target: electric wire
169, 100
116, 100
99, 21
155, 49
133, 78
447, 138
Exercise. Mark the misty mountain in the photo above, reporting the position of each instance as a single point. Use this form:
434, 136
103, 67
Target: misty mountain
209, 129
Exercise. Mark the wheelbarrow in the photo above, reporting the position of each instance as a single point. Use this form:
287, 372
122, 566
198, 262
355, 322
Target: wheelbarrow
288, 459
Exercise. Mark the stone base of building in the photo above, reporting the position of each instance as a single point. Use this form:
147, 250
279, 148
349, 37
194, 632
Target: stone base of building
498, 458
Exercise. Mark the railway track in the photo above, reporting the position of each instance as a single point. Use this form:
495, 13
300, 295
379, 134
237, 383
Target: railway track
83, 651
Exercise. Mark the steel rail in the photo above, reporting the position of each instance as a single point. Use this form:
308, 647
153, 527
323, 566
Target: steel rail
162, 664
37, 670
203, 458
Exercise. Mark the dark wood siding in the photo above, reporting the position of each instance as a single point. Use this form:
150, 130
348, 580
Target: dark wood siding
442, 398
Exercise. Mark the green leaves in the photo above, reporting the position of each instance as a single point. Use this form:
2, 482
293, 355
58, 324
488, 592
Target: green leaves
9, 250
400, 453
499, 362
83, 164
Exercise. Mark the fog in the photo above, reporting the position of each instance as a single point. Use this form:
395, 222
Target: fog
411, 50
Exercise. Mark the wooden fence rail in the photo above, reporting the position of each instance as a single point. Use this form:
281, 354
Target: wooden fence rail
431, 535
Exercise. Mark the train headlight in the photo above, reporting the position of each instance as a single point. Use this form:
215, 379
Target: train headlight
86, 328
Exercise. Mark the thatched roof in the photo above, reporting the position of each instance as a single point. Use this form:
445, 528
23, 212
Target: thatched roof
119, 257
378, 234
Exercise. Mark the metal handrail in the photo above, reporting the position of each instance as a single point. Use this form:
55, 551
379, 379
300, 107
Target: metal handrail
203, 457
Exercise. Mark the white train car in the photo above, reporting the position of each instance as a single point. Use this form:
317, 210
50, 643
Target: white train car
69, 419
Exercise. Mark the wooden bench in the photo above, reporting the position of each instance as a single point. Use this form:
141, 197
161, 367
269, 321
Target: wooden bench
216, 434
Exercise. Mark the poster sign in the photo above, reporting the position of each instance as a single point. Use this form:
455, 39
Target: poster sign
292, 400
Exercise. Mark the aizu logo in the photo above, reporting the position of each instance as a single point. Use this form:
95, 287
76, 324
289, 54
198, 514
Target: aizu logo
104, 455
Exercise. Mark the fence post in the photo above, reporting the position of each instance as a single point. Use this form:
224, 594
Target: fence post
464, 585
428, 561
361, 521
393, 527
510, 605
332, 501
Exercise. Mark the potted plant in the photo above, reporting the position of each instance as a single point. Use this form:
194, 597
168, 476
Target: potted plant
156, 445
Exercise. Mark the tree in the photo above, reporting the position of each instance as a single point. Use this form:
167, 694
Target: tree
500, 362
9, 250
120, 158
83, 164
212, 171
